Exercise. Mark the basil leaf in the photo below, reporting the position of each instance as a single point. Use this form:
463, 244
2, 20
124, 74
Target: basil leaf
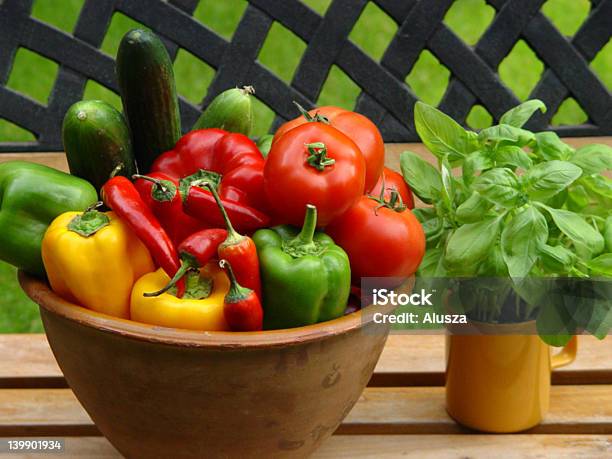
599, 185
442, 135
602, 265
593, 159
556, 258
424, 213
520, 114
470, 244
476, 161
591, 195
557, 201
433, 230
500, 186
608, 233
554, 324
577, 198
447, 184
600, 320
429, 264
549, 146
583, 235
511, 155
424, 180
494, 264
521, 239
473, 208
506, 134
547, 179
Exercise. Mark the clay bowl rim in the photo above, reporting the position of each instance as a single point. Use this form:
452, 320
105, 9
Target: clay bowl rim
40, 292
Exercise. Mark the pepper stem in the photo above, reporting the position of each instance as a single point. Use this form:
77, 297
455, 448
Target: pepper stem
232, 235
184, 269
116, 170
158, 182
236, 291
304, 243
317, 156
90, 221
93, 206
309, 226
163, 190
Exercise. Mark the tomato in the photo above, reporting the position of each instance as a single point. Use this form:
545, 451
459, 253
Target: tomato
291, 182
380, 241
356, 126
393, 180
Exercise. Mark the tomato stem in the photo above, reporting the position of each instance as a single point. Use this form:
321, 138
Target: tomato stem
318, 156
317, 118
395, 201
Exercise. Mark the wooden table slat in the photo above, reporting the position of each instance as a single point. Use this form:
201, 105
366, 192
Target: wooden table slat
406, 446
407, 360
418, 360
466, 446
389, 411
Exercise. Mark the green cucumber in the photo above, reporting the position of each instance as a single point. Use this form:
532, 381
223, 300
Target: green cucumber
148, 92
264, 143
97, 142
232, 110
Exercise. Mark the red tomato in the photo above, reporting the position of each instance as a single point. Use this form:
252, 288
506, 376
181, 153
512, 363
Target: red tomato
356, 126
393, 180
291, 182
379, 241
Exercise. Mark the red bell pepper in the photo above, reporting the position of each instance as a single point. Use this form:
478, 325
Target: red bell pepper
232, 162
122, 197
201, 204
161, 193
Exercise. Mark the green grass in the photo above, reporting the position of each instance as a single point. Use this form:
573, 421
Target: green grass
520, 70
17, 313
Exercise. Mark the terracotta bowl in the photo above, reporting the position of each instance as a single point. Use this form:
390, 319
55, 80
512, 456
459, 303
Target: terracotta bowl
157, 392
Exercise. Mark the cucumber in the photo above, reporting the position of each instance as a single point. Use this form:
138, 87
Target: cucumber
148, 92
231, 110
97, 141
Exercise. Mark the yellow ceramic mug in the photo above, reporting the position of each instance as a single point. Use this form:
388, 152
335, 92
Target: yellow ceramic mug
500, 383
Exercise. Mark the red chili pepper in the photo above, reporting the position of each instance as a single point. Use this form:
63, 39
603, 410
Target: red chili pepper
240, 251
161, 193
195, 251
202, 205
122, 197
242, 308
231, 161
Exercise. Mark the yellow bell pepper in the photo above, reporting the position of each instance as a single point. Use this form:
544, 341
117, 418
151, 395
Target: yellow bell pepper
93, 259
201, 308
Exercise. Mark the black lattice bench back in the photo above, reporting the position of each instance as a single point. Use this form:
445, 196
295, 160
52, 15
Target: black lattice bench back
384, 97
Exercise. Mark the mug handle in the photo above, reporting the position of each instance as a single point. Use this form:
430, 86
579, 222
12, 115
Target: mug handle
567, 354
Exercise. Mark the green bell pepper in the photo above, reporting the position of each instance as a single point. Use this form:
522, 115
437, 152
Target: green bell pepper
31, 196
306, 278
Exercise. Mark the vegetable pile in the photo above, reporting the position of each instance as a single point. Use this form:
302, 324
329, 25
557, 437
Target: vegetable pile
208, 231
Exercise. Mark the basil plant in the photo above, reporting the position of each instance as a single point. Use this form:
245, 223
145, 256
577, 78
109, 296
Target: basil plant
508, 203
